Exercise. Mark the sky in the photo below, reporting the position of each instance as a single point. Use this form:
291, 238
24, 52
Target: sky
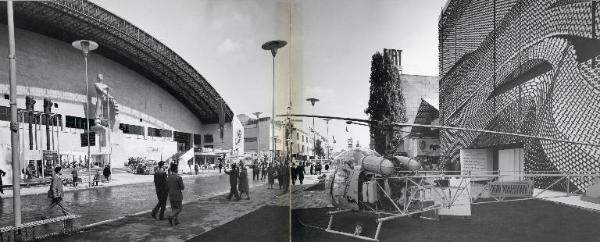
328, 56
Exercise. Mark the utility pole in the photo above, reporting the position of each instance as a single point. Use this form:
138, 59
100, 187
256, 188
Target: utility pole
14, 125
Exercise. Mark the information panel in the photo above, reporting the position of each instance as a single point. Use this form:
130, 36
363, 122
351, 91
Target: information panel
475, 161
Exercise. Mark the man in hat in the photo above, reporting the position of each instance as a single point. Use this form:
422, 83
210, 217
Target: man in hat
162, 191
233, 180
175, 186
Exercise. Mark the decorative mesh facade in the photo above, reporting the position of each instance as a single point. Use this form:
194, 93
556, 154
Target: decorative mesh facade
522, 66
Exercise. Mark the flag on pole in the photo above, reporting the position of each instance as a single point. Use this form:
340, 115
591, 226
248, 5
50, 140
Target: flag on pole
221, 118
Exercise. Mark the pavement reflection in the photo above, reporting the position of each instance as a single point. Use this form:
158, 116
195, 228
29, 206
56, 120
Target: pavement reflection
104, 203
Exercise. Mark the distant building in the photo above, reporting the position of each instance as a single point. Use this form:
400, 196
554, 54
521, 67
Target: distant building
155, 106
302, 144
417, 90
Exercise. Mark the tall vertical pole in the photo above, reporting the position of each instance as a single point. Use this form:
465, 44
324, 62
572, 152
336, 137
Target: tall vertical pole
273, 116
328, 144
14, 125
257, 134
109, 130
257, 137
314, 136
87, 120
273, 46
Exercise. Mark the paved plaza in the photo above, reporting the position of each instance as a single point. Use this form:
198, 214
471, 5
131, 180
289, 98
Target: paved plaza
197, 217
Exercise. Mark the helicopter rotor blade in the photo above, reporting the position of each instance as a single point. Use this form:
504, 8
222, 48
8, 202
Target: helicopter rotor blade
443, 127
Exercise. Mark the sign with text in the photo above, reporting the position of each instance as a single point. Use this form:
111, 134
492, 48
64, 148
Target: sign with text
475, 161
395, 56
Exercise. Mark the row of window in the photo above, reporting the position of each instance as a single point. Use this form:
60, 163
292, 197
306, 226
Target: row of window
131, 129
80, 123
77, 122
154, 132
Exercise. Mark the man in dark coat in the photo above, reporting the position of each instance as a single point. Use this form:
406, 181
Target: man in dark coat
106, 172
285, 171
255, 170
294, 174
233, 180
2, 173
175, 186
300, 172
280, 177
263, 168
220, 167
162, 191
75, 176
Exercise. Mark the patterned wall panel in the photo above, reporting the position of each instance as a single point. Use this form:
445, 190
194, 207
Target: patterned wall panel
526, 66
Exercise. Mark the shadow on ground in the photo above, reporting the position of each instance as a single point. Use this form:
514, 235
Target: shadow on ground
268, 224
532, 220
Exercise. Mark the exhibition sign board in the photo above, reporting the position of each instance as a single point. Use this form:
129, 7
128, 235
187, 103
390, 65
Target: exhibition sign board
476, 162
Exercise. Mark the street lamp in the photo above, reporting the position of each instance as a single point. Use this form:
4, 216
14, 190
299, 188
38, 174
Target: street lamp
312, 101
14, 124
257, 133
86, 46
273, 46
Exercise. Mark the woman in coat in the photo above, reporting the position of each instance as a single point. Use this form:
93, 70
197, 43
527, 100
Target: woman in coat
243, 185
279, 175
271, 175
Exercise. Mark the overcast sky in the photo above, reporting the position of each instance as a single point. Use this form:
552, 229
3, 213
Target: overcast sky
331, 44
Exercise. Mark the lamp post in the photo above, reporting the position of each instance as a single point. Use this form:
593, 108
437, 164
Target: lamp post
273, 46
257, 134
14, 125
86, 46
312, 101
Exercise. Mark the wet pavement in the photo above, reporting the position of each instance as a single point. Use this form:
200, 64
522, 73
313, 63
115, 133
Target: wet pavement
105, 203
197, 218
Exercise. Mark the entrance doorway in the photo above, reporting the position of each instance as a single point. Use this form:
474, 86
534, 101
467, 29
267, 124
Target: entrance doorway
511, 164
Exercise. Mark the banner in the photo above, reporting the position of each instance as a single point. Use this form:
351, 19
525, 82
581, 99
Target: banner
476, 161
221, 118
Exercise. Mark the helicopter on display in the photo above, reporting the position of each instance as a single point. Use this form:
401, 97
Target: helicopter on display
393, 187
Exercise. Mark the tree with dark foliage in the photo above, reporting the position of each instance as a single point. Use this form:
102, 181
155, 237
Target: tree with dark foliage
386, 104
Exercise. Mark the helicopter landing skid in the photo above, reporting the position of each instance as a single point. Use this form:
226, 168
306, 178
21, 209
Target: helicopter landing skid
357, 229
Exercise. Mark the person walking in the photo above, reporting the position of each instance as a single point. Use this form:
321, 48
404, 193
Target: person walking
279, 169
162, 191
55, 193
196, 167
312, 168
243, 185
263, 169
96, 178
300, 172
75, 176
294, 173
175, 186
254, 170
2, 173
220, 167
285, 171
106, 173
233, 179
271, 175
